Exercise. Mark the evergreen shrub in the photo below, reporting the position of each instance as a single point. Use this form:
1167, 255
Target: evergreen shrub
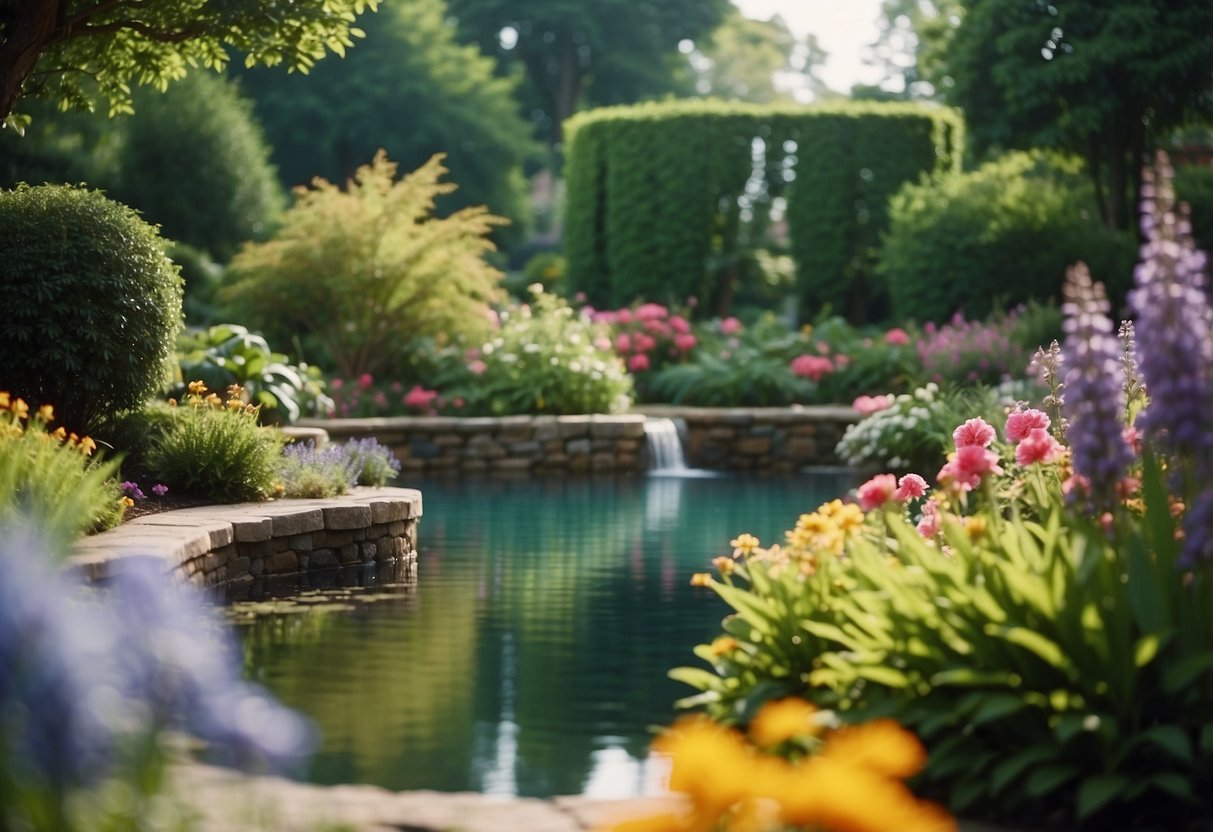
91, 304
657, 191
1004, 233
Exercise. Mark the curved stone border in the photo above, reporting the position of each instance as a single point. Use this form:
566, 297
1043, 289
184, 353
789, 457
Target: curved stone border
772, 439
222, 545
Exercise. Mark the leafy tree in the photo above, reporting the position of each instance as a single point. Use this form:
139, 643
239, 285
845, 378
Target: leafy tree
911, 32
412, 90
364, 269
740, 58
67, 49
193, 160
1100, 78
578, 53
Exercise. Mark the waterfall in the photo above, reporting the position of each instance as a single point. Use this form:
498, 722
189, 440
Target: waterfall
665, 446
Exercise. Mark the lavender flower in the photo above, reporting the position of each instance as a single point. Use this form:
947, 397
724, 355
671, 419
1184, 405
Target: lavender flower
132, 490
1095, 387
1047, 364
378, 464
1174, 323
159, 489
308, 472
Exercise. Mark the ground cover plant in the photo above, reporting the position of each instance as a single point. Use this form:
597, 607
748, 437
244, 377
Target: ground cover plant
1037, 615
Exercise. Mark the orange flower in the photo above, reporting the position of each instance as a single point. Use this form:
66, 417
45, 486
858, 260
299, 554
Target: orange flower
46, 413
197, 388
20, 408
4, 399
701, 579
87, 445
723, 645
881, 745
782, 720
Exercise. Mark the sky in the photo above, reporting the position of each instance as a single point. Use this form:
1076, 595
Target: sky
844, 28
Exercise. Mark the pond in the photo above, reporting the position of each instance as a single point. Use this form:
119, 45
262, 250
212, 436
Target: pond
530, 656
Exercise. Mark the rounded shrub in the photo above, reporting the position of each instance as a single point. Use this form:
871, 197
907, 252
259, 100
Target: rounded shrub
1002, 234
91, 304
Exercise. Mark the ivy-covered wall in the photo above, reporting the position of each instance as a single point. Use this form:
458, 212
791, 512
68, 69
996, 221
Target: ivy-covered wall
659, 192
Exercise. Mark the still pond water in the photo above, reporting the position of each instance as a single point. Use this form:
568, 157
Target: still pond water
530, 656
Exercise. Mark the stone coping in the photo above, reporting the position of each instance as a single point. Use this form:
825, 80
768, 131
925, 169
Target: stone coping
747, 415
245, 532
594, 423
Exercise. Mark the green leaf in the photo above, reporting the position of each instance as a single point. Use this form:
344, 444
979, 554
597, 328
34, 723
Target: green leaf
996, 706
1181, 675
696, 677
1173, 783
1097, 792
1036, 643
1146, 650
1169, 738
1010, 769
1048, 779
967, 677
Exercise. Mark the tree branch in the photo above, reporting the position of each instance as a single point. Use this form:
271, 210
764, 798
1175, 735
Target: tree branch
149, 32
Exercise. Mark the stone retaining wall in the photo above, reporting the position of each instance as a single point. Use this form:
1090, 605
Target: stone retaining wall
778, 440
228, 545
504, 445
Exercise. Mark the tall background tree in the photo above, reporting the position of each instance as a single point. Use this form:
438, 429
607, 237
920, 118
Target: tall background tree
739, 60
579, 53
412, 90
1100, 78
69, 50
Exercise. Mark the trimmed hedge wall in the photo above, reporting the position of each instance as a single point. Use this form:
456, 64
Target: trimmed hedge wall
653, 191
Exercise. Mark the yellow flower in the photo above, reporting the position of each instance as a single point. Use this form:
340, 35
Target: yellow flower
235, 391
127, 502
701, 579
782, 720
722, 645
975, 527
46, 413
743, 544
172, 402
197, 388
724, 566
213, 400
20, 408
882, 746
60, 433
710, 763
235, 405
87, 446
4, 399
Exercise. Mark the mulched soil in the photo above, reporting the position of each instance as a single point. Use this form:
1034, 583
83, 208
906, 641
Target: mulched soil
154, 505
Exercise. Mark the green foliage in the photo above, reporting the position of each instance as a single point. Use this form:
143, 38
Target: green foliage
543, 359
51, 480
202, 277
646, 186
1099, 78
133, 433
1005, 232
91, 304
193, 160
575, 53
416, 92
216, 451
82, 47
227, 354
548, 269
309, 473
359, 271
1194, 185
376, 464
741, 57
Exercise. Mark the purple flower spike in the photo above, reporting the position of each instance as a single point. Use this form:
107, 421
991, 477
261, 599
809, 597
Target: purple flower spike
159, 489
1095, 387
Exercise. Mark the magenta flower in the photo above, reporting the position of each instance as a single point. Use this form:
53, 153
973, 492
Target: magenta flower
730, 326
651, 312
1022, 422
680, 325
971, 464
638, 362
867, 405
623, 343
973, 432
685, 341
812, 367
928, 525
159, 489
910, 487
365, 381
877, 491
419, 397
897, 337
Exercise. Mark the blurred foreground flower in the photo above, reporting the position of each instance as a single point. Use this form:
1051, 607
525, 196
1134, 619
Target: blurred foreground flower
90, 681
851, 782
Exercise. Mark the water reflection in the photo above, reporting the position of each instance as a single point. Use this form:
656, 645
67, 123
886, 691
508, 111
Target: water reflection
530, 656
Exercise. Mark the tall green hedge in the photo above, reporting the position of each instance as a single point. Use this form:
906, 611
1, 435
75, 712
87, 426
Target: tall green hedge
655, 191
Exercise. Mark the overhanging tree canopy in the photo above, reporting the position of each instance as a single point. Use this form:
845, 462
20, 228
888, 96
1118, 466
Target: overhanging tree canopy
67, 49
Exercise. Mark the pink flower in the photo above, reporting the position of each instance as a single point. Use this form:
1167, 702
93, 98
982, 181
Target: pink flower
680, 324
1076, 482
928, 525
877, 491
897, 337
419, 397
624, 316
579, 297
493, 318
458, 403
476, 367
651, 312
685, 341
1037, 446
1132, 437
471, 355
336, 383
643, 342
365, 381
971, 463
380, 400
657, 327
638, 362
623, 343
397, 387
602, 343
692, 301
730, 326
868, 405
910, 487
1022, 422
812, 367
973, 432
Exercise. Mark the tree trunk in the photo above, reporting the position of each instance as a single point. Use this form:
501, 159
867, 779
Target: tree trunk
1118, 176
568, 86
27, 33
1095, 168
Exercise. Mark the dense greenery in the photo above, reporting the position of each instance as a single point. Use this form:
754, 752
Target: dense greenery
91, 304
1194, 185
578, 52
1003, 233
419, 92
68, 51
359, 271
193, 161
623, 243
